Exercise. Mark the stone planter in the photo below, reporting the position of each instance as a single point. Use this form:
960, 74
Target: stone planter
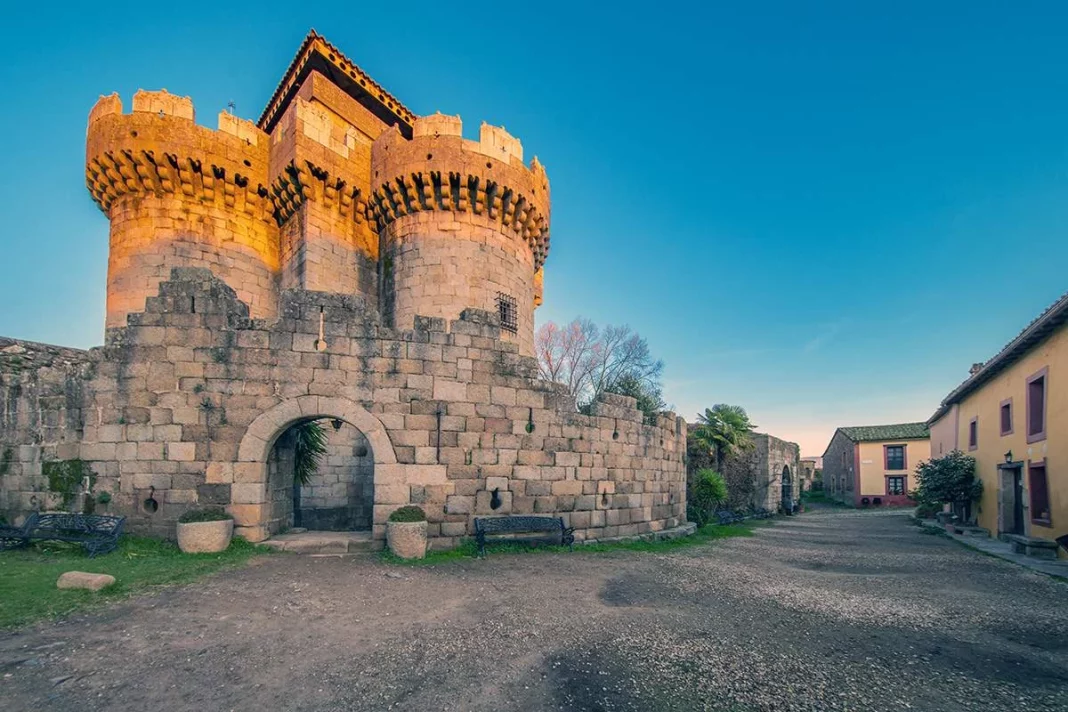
205, 537
406, 539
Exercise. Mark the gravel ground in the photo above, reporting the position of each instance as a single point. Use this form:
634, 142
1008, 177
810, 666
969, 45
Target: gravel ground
826, 611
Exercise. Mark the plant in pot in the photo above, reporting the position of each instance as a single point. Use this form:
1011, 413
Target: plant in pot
406, 532
205, 531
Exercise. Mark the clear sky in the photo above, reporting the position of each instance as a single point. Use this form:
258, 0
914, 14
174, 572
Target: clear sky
823, 212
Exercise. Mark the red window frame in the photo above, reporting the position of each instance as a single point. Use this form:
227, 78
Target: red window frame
1034, 433
1005, 417
904, 458
1038, 489
904, 485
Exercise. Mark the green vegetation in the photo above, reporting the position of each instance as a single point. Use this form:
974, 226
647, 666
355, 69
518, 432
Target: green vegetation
949, 479
65, 477
408, 513
206, 514
308, 451
648, 394
725, 430
707, 492
5, 460
28, 576
468, 549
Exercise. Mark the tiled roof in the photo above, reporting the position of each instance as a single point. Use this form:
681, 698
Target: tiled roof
1033, 334
316, 53
900, 431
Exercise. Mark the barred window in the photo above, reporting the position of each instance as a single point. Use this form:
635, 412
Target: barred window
509, 314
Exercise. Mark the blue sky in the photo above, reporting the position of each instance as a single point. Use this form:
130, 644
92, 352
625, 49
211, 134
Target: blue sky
822, 213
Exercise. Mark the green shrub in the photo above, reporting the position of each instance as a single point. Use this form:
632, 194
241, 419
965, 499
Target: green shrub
707, 492
207, 514
409, 513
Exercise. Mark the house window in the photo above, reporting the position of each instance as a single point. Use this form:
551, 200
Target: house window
894, 456
1006, 417
506, 309
973, 434
895, 484
1036, 406
1039, 493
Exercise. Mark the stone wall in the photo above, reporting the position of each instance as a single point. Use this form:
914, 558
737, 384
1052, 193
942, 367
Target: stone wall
42, 413
839, 468
188, 406
755, 477
340, 495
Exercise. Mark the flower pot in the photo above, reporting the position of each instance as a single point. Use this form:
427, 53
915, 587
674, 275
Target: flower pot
406, 539
205, 537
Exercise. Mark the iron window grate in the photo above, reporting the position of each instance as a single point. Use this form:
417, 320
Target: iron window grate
509, 314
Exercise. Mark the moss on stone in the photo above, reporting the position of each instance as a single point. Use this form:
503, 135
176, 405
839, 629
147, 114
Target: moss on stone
66, 476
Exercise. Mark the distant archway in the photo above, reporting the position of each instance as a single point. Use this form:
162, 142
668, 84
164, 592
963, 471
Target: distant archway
787, 500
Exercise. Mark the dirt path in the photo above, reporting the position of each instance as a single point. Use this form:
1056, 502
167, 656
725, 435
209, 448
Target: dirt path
827, 611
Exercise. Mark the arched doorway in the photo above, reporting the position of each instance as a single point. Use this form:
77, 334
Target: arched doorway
320, 476
787, 501
263, 493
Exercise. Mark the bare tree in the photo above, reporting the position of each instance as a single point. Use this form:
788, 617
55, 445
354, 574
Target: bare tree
589, 360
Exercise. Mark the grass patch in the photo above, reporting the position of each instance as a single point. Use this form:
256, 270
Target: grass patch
469, 550
28, 576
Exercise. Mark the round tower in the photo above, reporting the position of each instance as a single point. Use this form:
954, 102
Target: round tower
180, 195
463, 224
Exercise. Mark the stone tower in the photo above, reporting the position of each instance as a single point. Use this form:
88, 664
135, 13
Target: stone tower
337, 188
463, 224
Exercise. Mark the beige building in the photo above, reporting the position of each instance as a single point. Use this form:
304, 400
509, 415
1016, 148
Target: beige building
1009, 415
875, 465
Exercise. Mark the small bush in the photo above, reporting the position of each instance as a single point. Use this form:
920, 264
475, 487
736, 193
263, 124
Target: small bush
207, 514
409, 513
708, 491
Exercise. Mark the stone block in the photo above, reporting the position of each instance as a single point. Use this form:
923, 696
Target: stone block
248, 515
567, 487
83, 580
484, 502
248, 493
218, 473
500, 483
392, 494
182, 452
459, 504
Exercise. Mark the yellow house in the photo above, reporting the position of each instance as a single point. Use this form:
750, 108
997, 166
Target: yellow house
1011, 415
875, 465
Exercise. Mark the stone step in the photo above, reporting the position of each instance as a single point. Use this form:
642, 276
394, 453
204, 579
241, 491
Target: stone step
322, 543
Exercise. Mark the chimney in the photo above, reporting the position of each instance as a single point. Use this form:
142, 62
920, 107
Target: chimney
976, 367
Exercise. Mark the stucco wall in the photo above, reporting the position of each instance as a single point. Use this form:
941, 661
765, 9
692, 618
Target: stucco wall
873, 470
992, 446
944, 433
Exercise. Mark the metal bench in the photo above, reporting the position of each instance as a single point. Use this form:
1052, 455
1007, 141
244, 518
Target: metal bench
97, 533
727, 516
547, 530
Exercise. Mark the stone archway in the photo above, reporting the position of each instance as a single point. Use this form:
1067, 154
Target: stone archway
787, 499
250, 495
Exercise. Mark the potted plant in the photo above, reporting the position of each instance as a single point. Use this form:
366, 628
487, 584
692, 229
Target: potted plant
205, 531
406, 532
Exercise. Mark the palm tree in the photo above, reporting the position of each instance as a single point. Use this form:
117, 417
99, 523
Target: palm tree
725, 430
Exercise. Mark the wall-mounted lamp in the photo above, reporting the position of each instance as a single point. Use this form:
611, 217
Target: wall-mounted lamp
337, 422
1008, 457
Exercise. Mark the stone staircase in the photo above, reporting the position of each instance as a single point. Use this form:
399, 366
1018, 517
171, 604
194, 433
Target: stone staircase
316, 543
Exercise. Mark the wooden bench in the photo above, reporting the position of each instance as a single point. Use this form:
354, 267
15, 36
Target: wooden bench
97, 533
1032, 546
547, 530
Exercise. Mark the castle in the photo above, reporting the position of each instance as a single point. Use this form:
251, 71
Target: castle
340, 260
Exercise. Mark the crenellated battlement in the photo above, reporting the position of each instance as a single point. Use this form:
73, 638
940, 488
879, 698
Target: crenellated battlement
159, 149
438, 169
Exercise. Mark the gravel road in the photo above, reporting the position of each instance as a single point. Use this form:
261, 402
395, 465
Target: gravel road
830, 610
